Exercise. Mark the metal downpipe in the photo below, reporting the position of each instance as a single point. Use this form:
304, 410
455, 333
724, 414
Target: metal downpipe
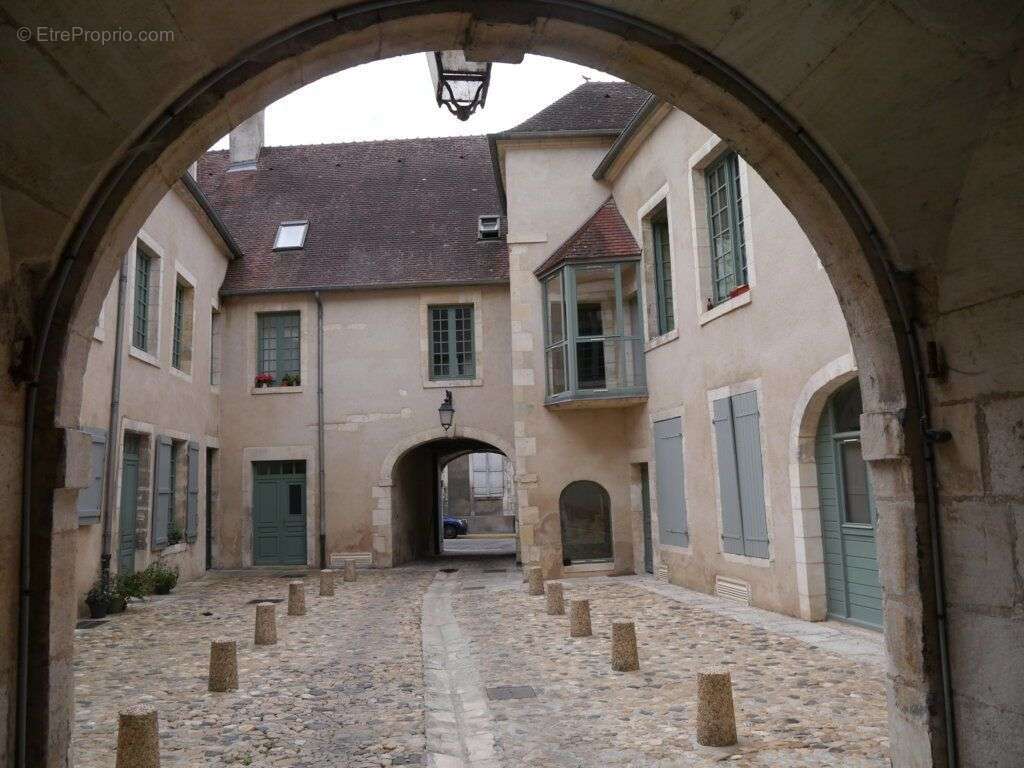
320, 491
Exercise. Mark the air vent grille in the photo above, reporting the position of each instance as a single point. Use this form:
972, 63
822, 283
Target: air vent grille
732, 589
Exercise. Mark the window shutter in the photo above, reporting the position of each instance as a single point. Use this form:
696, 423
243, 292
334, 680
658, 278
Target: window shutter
90, 500
192, 518
668, 457
162, 494
728, 480
747, 431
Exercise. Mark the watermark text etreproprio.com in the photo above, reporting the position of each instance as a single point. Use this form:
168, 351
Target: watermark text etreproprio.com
78, 34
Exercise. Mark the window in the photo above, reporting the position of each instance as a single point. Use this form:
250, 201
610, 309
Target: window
181, 342
487, 475
216, 321
592, 332
725, 227
489, 227
291, 235
146, 310
279, 348
585, 514
452, 353
668, 457
90, 500
662, 263
741, 475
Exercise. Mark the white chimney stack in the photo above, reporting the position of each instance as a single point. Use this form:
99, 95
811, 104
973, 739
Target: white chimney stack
245, 143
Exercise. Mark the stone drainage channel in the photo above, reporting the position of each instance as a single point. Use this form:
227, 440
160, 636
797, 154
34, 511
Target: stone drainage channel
459, 730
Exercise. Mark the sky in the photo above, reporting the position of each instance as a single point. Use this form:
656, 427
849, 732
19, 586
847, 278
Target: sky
394, 99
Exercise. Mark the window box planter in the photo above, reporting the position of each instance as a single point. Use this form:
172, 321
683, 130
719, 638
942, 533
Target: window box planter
264, 380
739, 289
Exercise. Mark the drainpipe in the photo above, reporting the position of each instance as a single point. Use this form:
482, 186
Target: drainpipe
321, 492
112, 430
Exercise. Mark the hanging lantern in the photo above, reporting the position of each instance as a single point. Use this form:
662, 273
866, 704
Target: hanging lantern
446, 413
459, 84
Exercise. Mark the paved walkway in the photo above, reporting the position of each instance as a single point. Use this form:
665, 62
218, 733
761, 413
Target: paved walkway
417, 666
495, 547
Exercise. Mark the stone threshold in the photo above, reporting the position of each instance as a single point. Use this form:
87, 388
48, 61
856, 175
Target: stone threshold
855, 643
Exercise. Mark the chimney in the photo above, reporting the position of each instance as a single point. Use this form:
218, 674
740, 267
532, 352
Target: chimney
246, 141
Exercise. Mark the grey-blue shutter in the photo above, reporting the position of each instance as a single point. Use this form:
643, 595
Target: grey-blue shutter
162, 494
668, 457
747, 431
90, 499
728, 479
192, 518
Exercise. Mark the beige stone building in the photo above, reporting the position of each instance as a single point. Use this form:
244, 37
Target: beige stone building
654, 372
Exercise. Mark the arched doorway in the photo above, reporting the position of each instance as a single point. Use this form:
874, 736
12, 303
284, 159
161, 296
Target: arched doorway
848, 513
722, 98
585, 512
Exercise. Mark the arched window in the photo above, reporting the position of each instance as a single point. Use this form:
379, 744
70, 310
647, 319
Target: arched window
586, 514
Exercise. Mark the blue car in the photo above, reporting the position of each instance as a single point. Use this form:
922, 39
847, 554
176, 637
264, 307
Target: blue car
454, 527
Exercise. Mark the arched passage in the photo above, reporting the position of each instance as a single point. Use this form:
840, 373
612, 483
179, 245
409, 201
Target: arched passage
156, 150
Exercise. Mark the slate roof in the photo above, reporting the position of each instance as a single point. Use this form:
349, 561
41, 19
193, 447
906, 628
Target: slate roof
593, 106
381, 214
603, 237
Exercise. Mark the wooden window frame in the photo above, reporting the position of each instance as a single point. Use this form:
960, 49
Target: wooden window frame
722, 284
280, 370
143, 296
661, 245
440, 361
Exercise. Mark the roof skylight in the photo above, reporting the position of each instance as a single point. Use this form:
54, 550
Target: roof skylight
291, 235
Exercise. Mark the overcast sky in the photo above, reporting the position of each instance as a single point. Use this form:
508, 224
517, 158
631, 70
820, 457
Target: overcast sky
394, 99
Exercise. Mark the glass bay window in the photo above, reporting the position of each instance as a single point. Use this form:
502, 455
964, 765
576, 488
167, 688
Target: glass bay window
593, 332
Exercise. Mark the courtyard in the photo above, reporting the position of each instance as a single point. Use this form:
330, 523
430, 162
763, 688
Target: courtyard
450, 663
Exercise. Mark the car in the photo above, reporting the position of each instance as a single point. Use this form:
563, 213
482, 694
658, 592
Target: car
454, 527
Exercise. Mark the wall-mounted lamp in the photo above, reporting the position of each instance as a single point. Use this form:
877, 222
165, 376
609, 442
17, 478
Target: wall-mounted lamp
447, 411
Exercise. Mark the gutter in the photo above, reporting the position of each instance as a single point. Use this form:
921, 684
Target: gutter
204, 202
113, 425
636, 122
366, 287
320, 490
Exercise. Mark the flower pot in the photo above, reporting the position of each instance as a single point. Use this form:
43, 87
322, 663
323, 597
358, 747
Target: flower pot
97, 610
116, 605
738, 290
162, 589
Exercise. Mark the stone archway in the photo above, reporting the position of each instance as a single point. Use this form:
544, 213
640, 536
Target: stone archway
384, 524
803, 476
836, 222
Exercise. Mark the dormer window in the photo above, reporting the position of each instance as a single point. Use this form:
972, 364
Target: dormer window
291, 235
489, 227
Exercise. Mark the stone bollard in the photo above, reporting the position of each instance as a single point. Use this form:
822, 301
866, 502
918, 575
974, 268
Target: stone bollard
350, 570
296, 598
326, 583
556, 598
223, 666
579, 618
624, 655
138, 738
535, 578
716, 718
266, 623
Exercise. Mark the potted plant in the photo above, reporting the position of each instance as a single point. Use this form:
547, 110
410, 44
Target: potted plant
98, 600
738, 290
174, 533
162, 578
117, 601
291, 380
264, 379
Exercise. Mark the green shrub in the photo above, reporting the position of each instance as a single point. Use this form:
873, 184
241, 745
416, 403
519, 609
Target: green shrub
174, 533
133, 585
162, 578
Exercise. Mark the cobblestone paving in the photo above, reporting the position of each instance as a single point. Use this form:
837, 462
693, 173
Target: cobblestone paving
796, 705
343, 687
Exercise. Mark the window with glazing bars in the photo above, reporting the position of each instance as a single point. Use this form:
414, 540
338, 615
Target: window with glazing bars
140, 323
725, 225
452, 352
179, 302
279, 345
662, 270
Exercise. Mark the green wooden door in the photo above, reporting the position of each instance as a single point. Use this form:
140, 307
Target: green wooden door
847, 514
279, 513
129, 505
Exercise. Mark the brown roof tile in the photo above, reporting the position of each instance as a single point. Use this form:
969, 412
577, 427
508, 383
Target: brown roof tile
593, 106
381, 214
603, 237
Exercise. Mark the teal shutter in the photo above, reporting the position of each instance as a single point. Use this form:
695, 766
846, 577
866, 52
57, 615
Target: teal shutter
668, 457
728, 481
192, 519
90, 500
747, 431
162, 491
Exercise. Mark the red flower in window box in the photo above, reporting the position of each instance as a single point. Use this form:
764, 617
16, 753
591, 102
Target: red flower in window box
738, 290
264, 379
